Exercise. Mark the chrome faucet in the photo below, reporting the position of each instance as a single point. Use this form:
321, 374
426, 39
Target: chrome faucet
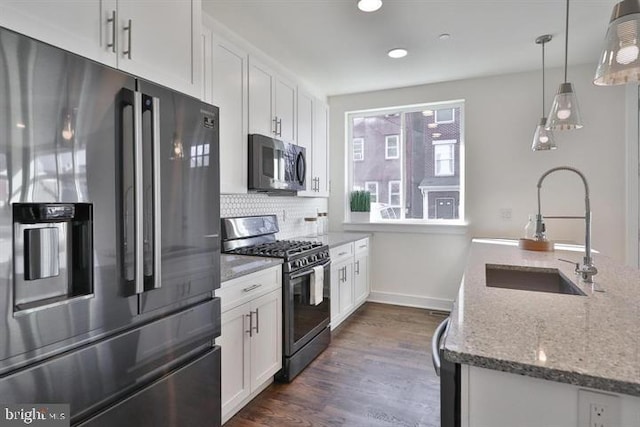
587, 270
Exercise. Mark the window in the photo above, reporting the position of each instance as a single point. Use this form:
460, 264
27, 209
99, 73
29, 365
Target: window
372, 188
358, 149
426, 179
443, 158
446, 115
392, 147
394, 193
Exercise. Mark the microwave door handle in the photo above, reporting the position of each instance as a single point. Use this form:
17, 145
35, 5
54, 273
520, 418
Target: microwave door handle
301, 168
138, 193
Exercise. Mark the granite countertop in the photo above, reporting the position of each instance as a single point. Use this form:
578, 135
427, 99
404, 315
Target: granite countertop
232, 266
334, 239
591, 341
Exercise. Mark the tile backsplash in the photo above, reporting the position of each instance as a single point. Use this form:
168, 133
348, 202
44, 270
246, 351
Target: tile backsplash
290, 211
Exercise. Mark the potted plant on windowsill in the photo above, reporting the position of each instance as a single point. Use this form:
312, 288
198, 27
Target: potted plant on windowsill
360, 203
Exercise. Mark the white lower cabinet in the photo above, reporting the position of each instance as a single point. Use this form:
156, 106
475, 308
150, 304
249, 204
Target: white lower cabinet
251, 337
349, 279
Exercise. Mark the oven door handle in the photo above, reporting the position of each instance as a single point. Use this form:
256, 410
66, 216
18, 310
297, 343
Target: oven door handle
435, 344
308, 272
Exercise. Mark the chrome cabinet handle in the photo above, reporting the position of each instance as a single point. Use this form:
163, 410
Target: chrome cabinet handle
112, 21
275, 126
250, 316
129, 30
257, 328
279, 124
342, 253
362, 246
358, 267
250, 288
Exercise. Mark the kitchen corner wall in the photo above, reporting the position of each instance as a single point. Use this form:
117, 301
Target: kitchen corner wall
290, 211
501, 113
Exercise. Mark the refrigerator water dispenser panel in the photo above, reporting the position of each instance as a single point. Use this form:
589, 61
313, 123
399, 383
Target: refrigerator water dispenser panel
53, 253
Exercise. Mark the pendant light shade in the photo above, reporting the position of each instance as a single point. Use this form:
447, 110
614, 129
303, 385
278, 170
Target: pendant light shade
542, 138
565, 114
619, 62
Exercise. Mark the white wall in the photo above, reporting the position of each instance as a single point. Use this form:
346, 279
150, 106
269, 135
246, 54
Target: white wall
501, 172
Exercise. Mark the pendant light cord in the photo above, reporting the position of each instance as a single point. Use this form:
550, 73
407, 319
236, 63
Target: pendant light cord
566, 42
543, 43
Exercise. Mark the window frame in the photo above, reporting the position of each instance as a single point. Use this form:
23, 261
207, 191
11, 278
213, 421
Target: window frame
398, 193
451, 143
386, 147
360, 142
442, 122
377, 193
424, 224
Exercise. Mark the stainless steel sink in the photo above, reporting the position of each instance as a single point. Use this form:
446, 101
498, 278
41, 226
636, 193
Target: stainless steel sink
530, 279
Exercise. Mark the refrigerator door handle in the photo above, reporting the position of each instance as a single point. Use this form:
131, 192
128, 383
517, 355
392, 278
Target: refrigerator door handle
138, 193
436, 343
157, 208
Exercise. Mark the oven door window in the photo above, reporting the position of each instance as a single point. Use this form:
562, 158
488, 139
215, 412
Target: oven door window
306, 316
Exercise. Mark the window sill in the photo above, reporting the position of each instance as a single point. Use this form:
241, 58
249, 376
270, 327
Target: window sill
458, 228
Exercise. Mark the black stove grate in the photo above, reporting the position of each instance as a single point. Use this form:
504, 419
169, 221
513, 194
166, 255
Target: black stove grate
278, 249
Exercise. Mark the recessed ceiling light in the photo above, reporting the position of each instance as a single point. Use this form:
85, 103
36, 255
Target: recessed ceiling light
427, 113
397, 53
444, 36
436, 135
432, 125
369, 5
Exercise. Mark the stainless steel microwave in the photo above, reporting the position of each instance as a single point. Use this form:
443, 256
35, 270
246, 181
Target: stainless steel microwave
275, 166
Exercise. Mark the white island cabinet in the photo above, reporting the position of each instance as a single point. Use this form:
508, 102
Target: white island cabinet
251, 337
157, 41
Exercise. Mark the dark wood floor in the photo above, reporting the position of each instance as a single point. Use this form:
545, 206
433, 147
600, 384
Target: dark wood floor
376, 372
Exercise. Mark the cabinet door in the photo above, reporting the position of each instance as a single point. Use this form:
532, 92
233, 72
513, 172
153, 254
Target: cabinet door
285, 105
336, 277
266, 343
161, 42
346, 289
361, 278
261, 88
305, 138
77, 26
321, 148
236, 357
229, 92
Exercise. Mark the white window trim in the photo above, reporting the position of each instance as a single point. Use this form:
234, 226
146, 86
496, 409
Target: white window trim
427, 226
386, 147
377, 193
441, 122
453, 160
359, 141
399, 193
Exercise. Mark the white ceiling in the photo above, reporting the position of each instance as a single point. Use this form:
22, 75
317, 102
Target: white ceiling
339, 49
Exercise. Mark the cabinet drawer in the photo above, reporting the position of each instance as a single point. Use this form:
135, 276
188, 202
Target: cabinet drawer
361, 246
242, 289
342, 252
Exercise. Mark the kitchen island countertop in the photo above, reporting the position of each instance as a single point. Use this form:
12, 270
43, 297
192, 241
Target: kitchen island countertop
232, 266
591, 341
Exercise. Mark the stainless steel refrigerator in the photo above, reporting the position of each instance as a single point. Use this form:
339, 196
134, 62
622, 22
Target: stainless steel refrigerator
109, 242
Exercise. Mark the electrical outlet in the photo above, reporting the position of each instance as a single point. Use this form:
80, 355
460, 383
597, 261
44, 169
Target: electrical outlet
598, 409
505, 214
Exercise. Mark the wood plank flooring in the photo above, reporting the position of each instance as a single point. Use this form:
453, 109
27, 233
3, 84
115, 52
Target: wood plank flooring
376, 372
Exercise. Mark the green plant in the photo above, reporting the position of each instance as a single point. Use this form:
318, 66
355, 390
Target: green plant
360, 201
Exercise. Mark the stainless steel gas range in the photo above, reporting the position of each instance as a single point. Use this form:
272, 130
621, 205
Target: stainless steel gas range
305, 286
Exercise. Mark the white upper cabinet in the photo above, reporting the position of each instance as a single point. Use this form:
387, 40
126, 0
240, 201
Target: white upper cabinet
305, 137
229, 92
320, 160
83, 27
272, 103
158, 41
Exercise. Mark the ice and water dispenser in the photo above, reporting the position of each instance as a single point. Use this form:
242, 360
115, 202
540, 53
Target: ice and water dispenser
53, 253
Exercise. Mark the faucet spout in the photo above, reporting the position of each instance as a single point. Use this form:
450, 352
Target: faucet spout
587, 270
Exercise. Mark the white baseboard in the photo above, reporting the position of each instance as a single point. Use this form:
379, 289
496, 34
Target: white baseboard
411, 300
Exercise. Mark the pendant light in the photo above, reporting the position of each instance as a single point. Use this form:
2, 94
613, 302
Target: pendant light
565, 114
619, 62
543, 138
